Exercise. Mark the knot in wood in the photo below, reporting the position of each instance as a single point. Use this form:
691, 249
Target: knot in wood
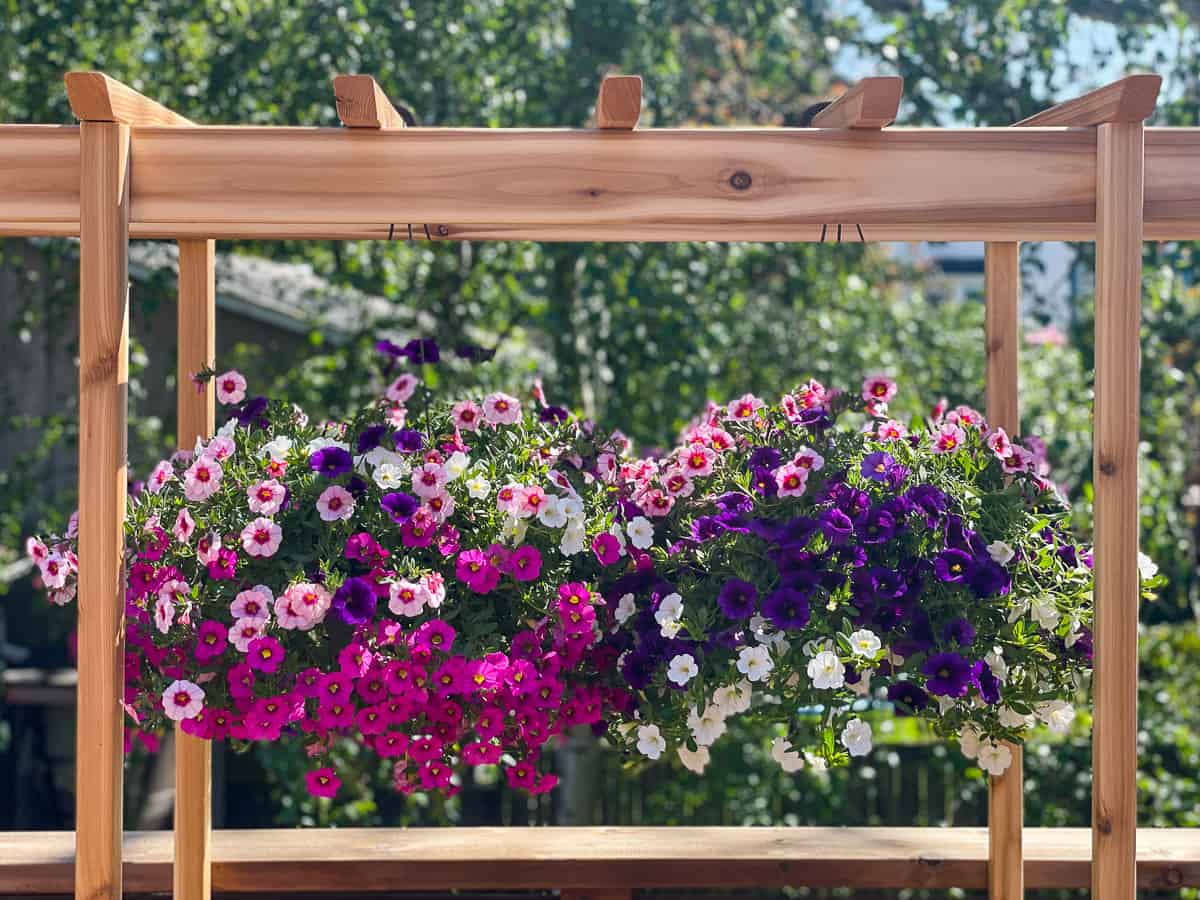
1173, 877
740, 180
1104, 825
1108, 467
443, 230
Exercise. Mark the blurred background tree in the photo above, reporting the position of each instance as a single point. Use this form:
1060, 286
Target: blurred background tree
638, 336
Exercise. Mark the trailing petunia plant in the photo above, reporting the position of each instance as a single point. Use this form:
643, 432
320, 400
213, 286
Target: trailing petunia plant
414, 579
807, 571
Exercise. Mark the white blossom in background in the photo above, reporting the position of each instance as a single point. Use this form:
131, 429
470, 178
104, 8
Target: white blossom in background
1010, 718
1147, 568
856, 737
626, 607
968, 742
733, 699
1045, 613
755, 662
640, 532
994, 758
826, 671
694, 760
682, 669
789, 760
478, 487
552, 514
1057, 714
1000, 552
706, 726
650, 741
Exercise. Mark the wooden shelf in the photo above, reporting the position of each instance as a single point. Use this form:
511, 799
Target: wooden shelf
378, 860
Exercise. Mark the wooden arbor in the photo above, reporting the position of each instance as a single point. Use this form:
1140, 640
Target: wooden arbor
1085, 170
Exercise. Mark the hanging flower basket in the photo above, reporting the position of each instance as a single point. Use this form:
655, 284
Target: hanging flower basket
454, 584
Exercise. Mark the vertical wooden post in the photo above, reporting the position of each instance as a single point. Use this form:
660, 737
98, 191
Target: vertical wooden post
1006, 801
1119, 194
103, 395
195, 415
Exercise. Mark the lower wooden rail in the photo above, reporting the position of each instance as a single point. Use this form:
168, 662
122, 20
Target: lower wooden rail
599, 862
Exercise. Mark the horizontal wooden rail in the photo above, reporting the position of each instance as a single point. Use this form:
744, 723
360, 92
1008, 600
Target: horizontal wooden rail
376, 860
657, 184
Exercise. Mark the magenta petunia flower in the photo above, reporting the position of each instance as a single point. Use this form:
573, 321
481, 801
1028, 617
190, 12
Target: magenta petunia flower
607, 548
525, 563
211, 641
322, 782
474, 569
265, 655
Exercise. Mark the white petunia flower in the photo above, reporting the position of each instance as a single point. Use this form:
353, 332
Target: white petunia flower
1057, 714
513, 530
826, 671
671, 607
670, 628
641, 532
626, 607
322, 443
1147, 568
706, 726
1000, 552
996, 662
682, 669
994, 758
1010, 718
694, 760
856, 737
755, 662
478, 486
864, 643
552, 514
968, 742
650, 741
789, 760
573, 541
388, 476
456, 464
730, 700
1045, 613
276, 448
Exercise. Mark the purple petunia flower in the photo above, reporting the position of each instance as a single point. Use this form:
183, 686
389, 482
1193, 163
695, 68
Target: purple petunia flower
953, 566
409, 440
988, 684
763, 480
422, 350
877, 466
876, 526
929, 500
331, 462
553, 415
370, 438
786, 609
959, 631
947, 675
735, 502
836, 526
737, 599
399, 505
252, 413
989, 578
764, 458
907, 696
355, 601
638, 670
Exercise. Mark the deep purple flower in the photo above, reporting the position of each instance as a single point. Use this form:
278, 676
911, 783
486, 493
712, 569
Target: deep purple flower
474, 353
422, 350
357, 486
836, 526
929, 500
896, 477
370, 438
355, 601
960, 632
947, 674
764, 458
399, 505
988, 684
387, 348
764, 482
988, 578
798, 532
734, 502
737, 599
252, 413
553, 415
766, 529
638, 670
876, 526
705, 528
816, 419
1082, 647
877, 466
409, 440
953, 566
331, 462
786, 609
907, 696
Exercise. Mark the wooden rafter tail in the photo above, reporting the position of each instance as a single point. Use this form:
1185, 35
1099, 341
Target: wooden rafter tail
94, 97
619, 103
871, 104
1130, 99
362, 103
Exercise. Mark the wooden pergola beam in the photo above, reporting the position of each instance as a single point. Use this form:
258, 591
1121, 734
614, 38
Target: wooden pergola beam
94, 97
871, 104
362, 103
619, 103
1129, 99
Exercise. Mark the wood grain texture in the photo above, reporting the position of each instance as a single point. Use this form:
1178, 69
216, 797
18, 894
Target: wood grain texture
39, 192
763, 177
195, 418
869, 105
374, 860
362, 103
1006, 794
103, 395
1115, 507
1130, 99
619, 103
94, 97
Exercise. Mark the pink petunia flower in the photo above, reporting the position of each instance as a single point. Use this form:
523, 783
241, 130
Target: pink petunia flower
231, 388
656, 503
744, 408
265, 654
532, 501
220, 448
335, 503
501, 409
791, 480
208, 549
607, 548
261, 538
400, 390
808, 458
429, 479
159, 476
467, 416
891, 430
266, 497
182, 700
999, 443
878, 388
202, 479
698, 461
253, 603
474, 569
309, 601
525, 564
407, 598
244, 632
948, 438
184, 527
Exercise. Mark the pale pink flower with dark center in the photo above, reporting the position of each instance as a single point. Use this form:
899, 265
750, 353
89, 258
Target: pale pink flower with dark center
791, 479
253, 603
808, 458
698, 461
533, 499
220, 448
678, 483
509, 498
231, 387
266, 497
55, 569
202, 479
891, 430
467, 416
335, 503
185, 526
948, 438
999, 443
400, 390
878, 388
159, 476
261, 537
407, 598
182, 700
246, 630
208, 548
744, 408
429, 479
501, 409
